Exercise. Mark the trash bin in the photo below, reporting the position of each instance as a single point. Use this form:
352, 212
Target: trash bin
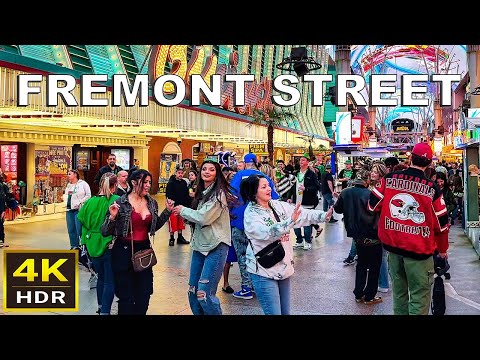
23, 192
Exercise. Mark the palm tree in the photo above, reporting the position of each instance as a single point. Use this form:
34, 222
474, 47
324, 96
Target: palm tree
272, 118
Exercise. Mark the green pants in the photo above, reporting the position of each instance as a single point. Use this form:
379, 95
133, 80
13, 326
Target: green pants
411, 284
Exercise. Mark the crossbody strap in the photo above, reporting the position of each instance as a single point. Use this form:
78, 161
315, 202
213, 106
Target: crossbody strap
274, 212
131, 235
277, 218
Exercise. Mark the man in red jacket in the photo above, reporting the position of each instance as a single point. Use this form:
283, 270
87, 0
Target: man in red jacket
413, 223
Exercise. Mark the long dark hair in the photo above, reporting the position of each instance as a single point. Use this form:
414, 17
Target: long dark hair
442, 176
139, 176
220, 186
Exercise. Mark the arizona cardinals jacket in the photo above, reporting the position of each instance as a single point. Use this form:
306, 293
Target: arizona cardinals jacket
413, 216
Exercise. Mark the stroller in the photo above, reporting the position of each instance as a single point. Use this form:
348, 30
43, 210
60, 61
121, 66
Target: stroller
438, 294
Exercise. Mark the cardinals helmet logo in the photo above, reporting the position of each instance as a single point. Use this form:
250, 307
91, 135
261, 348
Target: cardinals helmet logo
404, 207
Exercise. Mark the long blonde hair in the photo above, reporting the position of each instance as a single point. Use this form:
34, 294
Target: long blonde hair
107, 182
267, 170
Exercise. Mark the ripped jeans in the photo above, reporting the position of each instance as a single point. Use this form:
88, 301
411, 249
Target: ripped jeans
205, 274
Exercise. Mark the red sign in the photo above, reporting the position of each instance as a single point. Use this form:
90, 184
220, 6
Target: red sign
357, 128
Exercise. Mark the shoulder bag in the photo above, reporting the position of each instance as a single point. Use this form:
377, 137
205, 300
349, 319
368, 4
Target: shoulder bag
142, 259
273, 253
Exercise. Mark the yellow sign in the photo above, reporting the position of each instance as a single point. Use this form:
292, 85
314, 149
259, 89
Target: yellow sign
162, 188
258, 149
40, 280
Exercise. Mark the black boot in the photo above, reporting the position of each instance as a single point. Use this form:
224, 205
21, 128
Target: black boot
182, 240
171, 242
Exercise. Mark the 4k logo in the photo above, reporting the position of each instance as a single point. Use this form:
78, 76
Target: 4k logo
40, 280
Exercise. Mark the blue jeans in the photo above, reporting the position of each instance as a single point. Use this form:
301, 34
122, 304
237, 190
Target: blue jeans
74, 227
353, 250
273, 295
307, 234
454, 212
105, 281
383, 278
205, 274
240, 243
327, 201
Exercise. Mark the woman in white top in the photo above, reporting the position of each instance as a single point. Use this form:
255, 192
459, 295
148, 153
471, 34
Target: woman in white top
76, 193
266, 221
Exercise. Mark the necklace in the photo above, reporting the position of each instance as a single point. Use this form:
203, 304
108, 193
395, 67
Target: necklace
301, 175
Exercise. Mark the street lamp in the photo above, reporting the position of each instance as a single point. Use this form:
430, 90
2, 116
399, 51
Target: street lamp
299, 62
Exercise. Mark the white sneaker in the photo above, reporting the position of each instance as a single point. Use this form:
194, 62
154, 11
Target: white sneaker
307, 246
297, 245
93, 281
383, 290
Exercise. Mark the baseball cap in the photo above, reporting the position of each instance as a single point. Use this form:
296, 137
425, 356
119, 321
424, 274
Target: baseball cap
250, 158
424, 150
179, 167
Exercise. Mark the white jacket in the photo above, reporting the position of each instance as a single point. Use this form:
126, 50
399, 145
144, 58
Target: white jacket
261, 229
212, 223
80, 193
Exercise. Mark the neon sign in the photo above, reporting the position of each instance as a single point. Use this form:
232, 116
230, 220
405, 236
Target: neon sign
257, 95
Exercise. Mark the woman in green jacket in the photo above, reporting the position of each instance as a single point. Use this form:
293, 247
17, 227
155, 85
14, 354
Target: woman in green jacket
92, 215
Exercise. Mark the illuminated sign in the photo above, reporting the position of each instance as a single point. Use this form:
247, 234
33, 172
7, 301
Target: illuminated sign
257, 95
357, 127
402, 125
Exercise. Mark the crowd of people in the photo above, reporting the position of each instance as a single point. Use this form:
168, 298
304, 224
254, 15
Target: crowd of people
397, 215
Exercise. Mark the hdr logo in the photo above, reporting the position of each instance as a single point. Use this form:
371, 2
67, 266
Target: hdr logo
40, 280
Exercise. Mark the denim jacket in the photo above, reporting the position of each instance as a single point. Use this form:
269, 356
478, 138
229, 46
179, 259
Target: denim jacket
121, 225
212, 223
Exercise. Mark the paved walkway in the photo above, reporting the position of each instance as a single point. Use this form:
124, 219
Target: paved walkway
322, 284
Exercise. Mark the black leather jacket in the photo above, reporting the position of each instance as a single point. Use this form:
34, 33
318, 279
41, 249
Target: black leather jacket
310, 194
120, 227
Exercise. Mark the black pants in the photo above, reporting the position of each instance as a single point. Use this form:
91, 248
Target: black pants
369, 261
2, 230
133, 289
